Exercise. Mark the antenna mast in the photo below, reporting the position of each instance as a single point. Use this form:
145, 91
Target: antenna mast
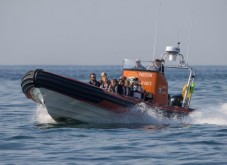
156, 31
190, 33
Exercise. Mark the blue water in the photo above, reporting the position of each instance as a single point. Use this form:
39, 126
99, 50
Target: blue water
29, 136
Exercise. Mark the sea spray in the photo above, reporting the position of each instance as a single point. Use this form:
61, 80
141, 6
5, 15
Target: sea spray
215, 114
42, 115
141, 114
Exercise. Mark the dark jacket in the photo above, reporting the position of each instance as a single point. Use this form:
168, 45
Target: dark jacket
95, 83
120, 89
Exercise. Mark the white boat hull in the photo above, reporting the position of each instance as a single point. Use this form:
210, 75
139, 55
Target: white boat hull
63, 107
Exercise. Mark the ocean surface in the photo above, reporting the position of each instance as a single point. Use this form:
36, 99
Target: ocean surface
29, 136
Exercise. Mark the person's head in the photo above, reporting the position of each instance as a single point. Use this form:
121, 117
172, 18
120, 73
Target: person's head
121, 81
92, 76
122, 78
103, 74
104, 79
114, 82
138, 62
158, 62
135, 81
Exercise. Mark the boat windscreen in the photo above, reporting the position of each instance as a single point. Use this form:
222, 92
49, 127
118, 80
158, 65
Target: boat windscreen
128, 64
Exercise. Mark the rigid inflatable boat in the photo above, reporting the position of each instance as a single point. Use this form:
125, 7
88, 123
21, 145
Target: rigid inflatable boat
68, 98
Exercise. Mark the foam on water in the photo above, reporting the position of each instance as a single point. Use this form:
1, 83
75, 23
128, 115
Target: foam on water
207, 115
215, 114
138, 115
42, 116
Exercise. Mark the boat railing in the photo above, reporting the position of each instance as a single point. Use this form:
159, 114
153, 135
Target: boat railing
187, 94
173, 54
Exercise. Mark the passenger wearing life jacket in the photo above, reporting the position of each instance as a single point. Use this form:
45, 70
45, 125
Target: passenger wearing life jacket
137, 89
104, 75
93, 80
105, 83
120, 87
113, 86
128, 90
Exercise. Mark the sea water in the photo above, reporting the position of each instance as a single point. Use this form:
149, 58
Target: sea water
30, 136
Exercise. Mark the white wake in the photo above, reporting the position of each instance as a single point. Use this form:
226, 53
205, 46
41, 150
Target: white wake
216, 115
42, 116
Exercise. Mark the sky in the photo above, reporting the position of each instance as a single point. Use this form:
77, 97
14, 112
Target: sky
104, 32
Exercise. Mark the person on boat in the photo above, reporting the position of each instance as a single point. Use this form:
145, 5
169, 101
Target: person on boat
158, 65
121, 87
105, 83
138, 65
113, 86
137, 89
122, 78
93, 80
128, 90
104, 76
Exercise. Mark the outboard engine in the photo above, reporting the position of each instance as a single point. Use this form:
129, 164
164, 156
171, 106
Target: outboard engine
176, 100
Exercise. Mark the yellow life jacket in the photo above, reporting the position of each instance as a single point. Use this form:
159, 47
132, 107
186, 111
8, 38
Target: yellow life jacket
190, 91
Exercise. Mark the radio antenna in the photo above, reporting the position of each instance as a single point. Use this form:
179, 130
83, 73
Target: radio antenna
156, 30
190, 32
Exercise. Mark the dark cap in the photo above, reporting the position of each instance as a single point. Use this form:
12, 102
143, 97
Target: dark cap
159, 60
